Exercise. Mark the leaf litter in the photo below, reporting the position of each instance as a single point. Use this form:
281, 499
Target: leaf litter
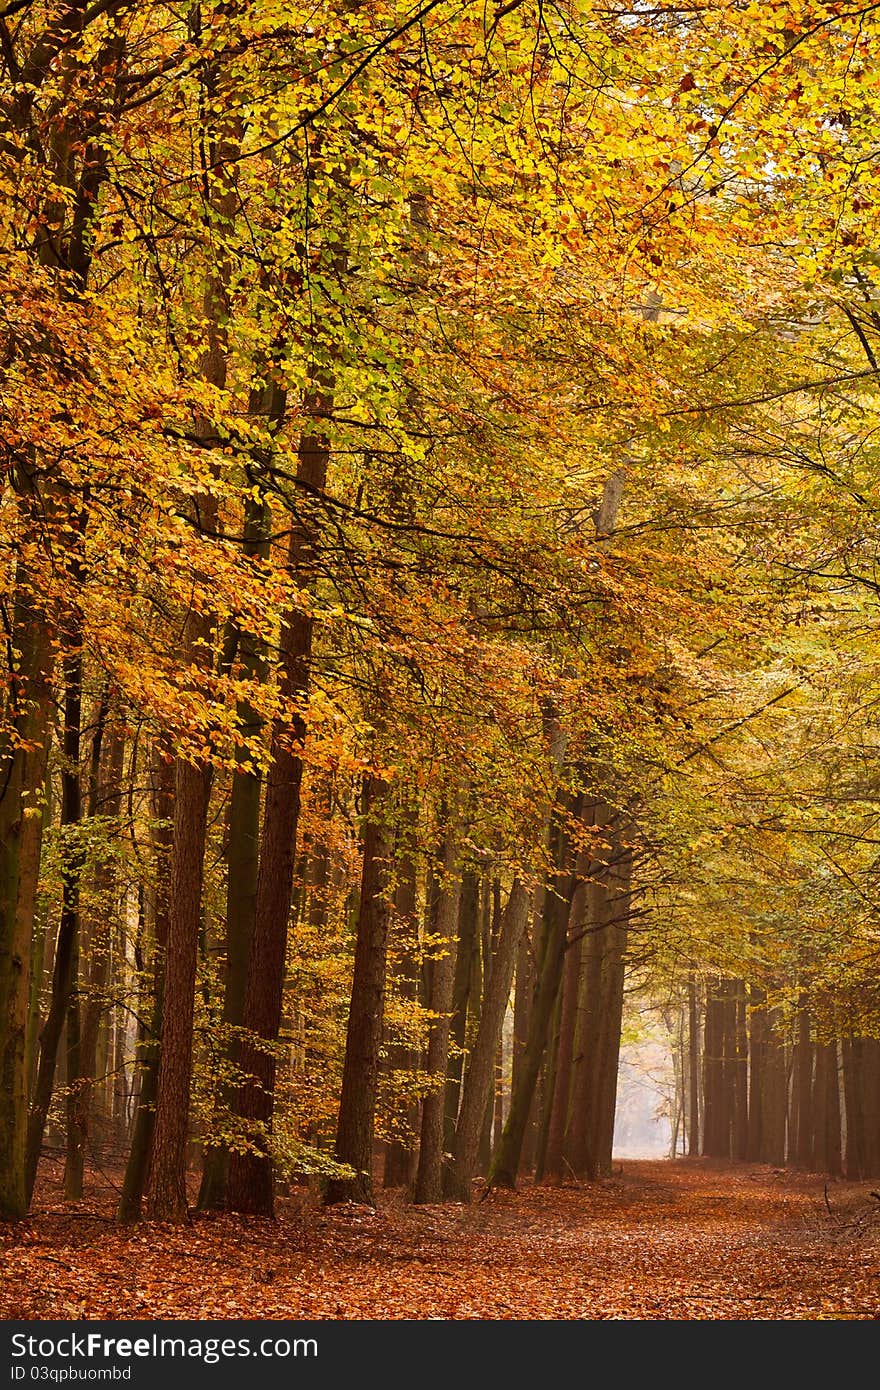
674, 1240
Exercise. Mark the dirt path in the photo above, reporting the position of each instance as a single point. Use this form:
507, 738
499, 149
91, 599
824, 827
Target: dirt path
661, 1240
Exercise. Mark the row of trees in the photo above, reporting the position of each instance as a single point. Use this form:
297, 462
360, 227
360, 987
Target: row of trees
753, 1084
419, 427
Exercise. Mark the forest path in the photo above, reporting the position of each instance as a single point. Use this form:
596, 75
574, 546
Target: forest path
660, 1240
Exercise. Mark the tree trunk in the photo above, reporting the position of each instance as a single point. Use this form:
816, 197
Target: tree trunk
429, 1175
243, 856
853, 1091
715, 1143
134, 1181
611, 1009
104, 799
399, 1154
693, 1067
757, 1080
166, 1183
579, 1135
819, 1102
250, 1183
871, 1104
478, 1077
75, 1142
826, 1109
833, 1143
740, 1136
468, 936
505, 1162
523, 993
803, 1085
545, 1087
22, 776
360, 1076
551, 1168
774, 1094
66, 946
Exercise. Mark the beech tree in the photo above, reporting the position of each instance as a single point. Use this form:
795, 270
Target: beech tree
439, 531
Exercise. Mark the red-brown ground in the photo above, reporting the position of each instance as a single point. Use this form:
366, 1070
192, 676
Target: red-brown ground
661, 1240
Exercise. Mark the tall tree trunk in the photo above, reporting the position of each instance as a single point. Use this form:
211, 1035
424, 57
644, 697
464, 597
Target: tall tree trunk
819, 1102
578, 1144
104, 799
871, 1105
681, 1122
484, 1153
728, 1065
740, 1144
166, 1184
826, 1109
243, 856
715, 1143
462, 1004
833, 1146
611, 1008
80, 1077
694, 1066
429, 1175
775, 1094
498, 1108
22, 775
478, 1077
523, 993
568, 1017
74, 1147
803, 1085
42, 951
400, 1154
758, 1042
149, 1034
66, 946
360, 1075
853, 1091
250, 1182
508, 1149
545, 1086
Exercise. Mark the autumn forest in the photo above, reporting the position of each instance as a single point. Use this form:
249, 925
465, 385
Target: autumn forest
440, 531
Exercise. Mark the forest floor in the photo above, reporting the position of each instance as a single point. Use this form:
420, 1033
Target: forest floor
660, 1240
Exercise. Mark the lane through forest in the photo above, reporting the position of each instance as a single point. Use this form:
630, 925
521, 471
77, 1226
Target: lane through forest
659, 1240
